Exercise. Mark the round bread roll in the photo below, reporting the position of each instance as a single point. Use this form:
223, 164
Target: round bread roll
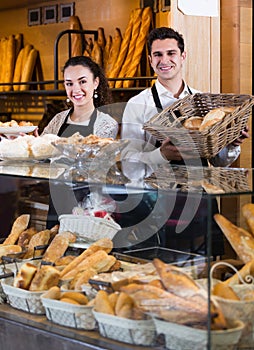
193, 123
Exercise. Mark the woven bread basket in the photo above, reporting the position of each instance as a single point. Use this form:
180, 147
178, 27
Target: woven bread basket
22, 299
69, 315
88, 228
181, 337
208, 142
136, 332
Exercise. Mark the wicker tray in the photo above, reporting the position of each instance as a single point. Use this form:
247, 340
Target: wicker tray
213, 180
179, 337
69, 315
88, 228
207, 143
125, 330
22, 299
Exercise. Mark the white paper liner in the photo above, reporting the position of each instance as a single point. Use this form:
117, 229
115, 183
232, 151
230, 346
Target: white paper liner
179, 337
69, 315
140, 332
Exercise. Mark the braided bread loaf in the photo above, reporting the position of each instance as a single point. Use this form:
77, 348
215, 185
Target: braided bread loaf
144, 29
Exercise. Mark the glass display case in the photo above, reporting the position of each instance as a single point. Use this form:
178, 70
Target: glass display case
166, 213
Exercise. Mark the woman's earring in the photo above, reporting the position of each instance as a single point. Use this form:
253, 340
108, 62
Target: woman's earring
95, 95
68, 100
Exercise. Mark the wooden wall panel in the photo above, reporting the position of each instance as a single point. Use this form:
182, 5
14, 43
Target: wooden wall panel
201, 34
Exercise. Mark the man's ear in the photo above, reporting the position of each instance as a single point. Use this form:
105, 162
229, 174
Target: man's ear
183, 55
150, 59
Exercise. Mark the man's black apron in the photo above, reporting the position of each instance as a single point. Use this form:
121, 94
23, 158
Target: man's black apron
199, 223
64, 192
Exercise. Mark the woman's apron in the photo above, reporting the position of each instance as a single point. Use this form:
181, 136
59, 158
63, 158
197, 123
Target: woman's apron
65, 197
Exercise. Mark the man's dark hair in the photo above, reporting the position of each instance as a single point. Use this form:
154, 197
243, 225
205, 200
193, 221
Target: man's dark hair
162, 33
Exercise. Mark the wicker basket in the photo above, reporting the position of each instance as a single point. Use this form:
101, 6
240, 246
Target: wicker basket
134, 332
179, 337
207, 143
69, 315
23, 299
88, 228
211, 179
242, 310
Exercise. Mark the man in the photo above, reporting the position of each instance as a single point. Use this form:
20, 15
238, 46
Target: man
167, 56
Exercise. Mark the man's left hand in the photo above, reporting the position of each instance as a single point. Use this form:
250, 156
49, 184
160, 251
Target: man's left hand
244, 135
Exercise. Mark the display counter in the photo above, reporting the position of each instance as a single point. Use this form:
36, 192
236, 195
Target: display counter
35, 182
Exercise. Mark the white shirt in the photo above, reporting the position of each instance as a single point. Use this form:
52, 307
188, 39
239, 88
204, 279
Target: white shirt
139, 110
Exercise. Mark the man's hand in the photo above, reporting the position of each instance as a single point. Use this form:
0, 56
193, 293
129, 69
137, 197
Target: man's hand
244, 135
171, 152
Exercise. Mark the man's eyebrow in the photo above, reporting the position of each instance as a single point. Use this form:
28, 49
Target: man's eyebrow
168, 51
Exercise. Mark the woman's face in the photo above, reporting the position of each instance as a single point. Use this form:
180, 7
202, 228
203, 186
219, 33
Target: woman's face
80, 84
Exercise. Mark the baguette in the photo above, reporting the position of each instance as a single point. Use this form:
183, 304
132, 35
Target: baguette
146, 22
27, 72
106, 51
248, 213
9, 62
224, 291
136, 28
25, 236
97, 261
175, 280
19, 225
56, 249
76, 39
9, 249
96, 54
124, 305
102, 244
245, 271
39, 239
241, 240
117, 64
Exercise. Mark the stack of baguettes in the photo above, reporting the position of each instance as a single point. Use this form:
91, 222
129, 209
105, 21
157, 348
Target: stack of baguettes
126, 61
241, 239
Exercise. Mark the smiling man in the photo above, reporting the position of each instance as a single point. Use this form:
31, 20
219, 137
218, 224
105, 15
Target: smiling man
167, 56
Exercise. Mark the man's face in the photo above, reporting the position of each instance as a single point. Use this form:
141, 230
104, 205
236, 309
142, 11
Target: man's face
166, 59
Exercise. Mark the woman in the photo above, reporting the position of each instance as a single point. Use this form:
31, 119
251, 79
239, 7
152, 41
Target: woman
87, 89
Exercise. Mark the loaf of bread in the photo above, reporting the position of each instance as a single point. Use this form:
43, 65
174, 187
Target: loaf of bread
97, 53
39, 239
248, 213
102, 244
240, 239
25, 275
82, 278
223, 290
64, 260
25, 236
247, 271
45, 278
193, 123
9, 249
56, 248
19, 225
76, 39
175, 280
102, 303
80, 298
53, 293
